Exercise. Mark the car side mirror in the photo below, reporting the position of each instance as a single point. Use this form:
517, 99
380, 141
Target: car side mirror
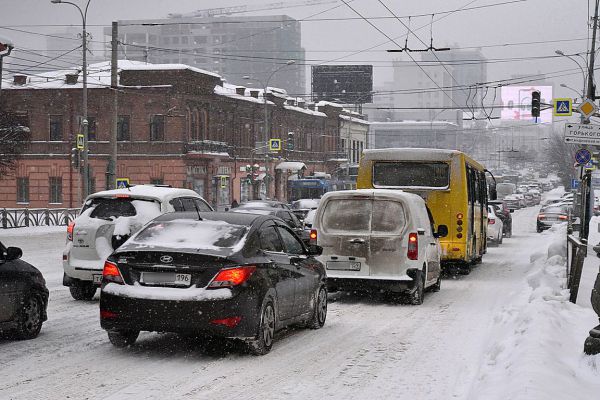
13, 253
442, 231
314, 250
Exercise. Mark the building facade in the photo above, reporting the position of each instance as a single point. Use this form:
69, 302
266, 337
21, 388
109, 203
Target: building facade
232, 47
177, 125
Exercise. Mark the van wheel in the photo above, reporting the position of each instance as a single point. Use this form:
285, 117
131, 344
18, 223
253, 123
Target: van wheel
82, 290
464, 269
416, 298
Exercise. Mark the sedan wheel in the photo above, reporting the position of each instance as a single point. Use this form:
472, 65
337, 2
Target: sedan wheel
320, 312
83, 290
266, 331
30, 319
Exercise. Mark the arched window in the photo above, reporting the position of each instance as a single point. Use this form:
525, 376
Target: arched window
202, 124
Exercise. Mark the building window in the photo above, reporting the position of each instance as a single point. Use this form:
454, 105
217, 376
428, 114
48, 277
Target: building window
55, 189
123, 128
91, 128
157, 128
22, 190
56, 127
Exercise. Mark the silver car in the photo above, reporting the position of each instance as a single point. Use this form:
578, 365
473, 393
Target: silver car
107, 219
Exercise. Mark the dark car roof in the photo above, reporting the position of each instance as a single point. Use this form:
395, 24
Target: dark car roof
232, 218
272, 203
257, 210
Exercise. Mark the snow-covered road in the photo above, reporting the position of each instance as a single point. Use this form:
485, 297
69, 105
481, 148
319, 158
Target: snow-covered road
367, 349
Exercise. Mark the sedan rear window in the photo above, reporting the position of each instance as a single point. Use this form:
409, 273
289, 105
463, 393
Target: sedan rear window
554, 210
191, 234
363, 215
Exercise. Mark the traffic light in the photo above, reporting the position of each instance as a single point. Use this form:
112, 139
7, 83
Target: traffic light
535, 103
75, 158
290, 141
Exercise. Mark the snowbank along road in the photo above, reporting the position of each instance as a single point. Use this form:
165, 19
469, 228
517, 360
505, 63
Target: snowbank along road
369, 348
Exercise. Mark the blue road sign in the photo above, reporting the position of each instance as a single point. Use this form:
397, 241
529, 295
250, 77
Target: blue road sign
583, 156
575, 184
122, 183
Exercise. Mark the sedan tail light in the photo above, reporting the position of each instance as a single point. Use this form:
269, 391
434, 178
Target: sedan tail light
413, 246
230, 277
313, 236
491, 221
563, 217
230, 322
541, 216
70, 228
111, 273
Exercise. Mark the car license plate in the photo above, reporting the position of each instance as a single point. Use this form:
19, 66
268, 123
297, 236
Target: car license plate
344, 265
97, 278
166, 279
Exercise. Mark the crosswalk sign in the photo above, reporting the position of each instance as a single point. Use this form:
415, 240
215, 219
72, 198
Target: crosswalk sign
80, 142
274, 144
122, 183
562, 107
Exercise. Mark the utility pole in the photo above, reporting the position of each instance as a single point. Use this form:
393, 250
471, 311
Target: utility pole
111, 175
591, 88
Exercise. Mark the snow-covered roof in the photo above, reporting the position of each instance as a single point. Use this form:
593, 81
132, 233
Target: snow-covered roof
290, 166
406, 122
354, 119
147, 191
229, 90
305, 111
409, 154
324, 103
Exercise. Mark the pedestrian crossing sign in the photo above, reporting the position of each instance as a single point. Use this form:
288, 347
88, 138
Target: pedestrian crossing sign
274, 144
562, 107
80, 142
122, 183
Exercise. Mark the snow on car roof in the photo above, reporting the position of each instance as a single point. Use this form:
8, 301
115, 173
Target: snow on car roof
147, 191
387, 193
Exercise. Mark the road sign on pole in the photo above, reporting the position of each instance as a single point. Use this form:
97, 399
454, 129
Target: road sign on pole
122, 183
582, 134
274, 144
80, 141
587, 108
562, 107
583, 156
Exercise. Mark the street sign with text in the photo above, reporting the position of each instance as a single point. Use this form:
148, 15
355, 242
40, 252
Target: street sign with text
582, 134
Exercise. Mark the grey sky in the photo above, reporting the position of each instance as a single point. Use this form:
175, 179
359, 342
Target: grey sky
531, 20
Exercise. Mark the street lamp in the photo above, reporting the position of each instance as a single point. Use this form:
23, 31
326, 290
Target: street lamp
84, 121
560, 53
266, 135
570, 88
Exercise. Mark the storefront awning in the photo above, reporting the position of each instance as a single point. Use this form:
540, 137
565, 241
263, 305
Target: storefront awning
291, 166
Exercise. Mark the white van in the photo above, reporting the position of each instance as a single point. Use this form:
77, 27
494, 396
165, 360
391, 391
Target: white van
377, 239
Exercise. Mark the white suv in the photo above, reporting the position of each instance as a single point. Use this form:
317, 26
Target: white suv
107, 219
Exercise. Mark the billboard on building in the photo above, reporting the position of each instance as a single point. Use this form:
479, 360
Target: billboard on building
348, 84
516, 103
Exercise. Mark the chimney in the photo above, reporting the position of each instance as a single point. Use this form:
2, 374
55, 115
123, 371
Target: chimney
311, 106
71, 79
301, 103
254, 93
240, 90
20, 80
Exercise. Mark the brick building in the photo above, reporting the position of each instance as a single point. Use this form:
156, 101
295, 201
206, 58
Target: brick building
177, 125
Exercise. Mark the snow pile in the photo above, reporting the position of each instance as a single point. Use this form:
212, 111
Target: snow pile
536, 343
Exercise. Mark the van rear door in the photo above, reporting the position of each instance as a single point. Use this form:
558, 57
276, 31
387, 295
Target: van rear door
362, 235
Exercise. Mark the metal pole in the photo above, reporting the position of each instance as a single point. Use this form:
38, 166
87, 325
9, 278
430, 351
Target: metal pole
590, 85
265, 141
86, 167
112, 164
10, 47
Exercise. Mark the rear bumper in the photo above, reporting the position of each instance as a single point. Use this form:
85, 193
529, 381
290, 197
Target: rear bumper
80, 269
182, 316
370, 285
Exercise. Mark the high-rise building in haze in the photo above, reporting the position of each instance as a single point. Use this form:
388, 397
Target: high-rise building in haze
233, 47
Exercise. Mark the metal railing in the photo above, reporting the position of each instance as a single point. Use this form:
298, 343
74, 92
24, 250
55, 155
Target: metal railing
576, 253
22, 217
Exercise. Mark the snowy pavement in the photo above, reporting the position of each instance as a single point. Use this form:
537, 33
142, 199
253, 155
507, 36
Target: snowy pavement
503, 332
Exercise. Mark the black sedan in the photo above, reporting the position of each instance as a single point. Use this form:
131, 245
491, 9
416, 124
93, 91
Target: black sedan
238, 276
286, 215
264, 204
23, 296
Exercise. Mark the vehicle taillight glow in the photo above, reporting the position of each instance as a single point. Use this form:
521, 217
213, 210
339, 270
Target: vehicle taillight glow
413, 246
230, 322
230, 277
313, 236
70, 229
563, 217
541, 216
491, 221
459, 216
122, 196
111, 273
107, 314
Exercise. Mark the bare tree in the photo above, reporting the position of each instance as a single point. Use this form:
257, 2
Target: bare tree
561, 157
14, 139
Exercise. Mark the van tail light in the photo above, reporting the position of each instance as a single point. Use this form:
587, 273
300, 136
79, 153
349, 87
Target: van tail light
563, 217
413, 246
313, 236
229, 277
70, 229
541, 217
111, 273
491, 221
